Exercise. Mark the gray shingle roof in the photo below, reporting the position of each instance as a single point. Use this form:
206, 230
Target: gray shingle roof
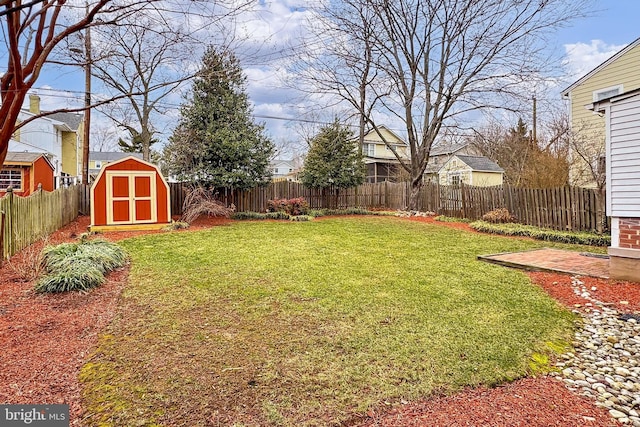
111, 156
22, 157
480, 163
447, 148
72, 120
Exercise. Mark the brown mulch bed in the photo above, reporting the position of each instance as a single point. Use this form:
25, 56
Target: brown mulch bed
45, 339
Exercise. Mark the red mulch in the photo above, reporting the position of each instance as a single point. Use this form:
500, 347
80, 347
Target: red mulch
45, 339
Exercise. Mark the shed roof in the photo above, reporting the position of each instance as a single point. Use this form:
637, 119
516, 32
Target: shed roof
24, 157
480, 163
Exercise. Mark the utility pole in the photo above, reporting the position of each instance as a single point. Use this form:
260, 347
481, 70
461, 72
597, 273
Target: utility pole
87, 102
535, 121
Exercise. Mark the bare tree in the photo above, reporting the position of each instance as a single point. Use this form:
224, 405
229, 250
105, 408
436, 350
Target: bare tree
148, 56
433, 61
31, 31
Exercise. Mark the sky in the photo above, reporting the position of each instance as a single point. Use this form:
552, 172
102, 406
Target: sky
277, 23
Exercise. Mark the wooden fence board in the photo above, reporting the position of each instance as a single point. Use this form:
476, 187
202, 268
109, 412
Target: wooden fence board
566, 208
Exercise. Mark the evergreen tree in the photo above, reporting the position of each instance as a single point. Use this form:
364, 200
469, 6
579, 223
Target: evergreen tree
216, 142
135, 143
334, 159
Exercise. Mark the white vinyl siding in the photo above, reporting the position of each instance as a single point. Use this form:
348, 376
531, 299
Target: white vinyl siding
623, 157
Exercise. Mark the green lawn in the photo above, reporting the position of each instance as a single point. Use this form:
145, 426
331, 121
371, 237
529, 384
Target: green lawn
312, 323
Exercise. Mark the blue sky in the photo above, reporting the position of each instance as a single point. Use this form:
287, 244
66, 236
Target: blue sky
586, 43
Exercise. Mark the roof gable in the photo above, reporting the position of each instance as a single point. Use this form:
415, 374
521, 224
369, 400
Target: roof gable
372, 136
597, 69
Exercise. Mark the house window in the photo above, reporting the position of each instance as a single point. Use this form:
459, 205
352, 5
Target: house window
275, 170
454, 179
369, 149
11, 178
607, 92
98, 164
290, 170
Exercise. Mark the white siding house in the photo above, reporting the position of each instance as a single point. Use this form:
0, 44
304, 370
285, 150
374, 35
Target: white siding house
622, 126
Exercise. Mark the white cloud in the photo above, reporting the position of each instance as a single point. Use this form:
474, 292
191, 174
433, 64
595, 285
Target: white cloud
584, 57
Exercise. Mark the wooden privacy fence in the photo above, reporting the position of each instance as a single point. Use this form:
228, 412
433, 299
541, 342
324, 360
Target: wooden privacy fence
24, 220
567, 208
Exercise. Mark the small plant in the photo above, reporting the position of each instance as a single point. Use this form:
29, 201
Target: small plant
300, 218
295, 206
444, 218
259, 216
499, 216
200, 201
79, 266
176, 225
29, 265
512, 229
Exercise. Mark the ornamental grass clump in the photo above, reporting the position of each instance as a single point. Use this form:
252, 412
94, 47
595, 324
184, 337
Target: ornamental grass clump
499, 216
79, 266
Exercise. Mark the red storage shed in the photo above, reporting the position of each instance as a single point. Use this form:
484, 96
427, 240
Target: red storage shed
130, 194
23, 172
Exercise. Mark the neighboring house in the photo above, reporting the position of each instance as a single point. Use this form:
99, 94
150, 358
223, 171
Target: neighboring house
442, 154
23, 172
616, 75
478, 171
622, 129
281, 168
380, 161
57, 135
97, 160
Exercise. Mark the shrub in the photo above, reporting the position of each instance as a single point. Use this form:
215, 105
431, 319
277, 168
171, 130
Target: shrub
80, 276
79, 266
176, 225
259, 216
499, 216
29, 265
200, 201
349, 211
444, 218
579, 238
295, 206
300, 218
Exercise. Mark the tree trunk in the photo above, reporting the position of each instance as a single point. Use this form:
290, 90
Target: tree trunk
414, 193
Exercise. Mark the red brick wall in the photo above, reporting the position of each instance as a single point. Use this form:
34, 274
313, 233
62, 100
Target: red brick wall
629, 233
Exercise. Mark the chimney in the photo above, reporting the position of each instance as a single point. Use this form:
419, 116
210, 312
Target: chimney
34, 104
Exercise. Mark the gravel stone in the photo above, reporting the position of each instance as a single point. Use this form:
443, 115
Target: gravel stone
604, 363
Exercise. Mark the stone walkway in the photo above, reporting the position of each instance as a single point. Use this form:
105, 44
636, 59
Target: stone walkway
582, 264
605, 362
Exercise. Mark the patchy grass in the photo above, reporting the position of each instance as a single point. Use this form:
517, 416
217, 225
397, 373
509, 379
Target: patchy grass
312, 323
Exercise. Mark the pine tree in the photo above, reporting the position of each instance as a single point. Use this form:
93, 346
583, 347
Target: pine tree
216, 142
334, 159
